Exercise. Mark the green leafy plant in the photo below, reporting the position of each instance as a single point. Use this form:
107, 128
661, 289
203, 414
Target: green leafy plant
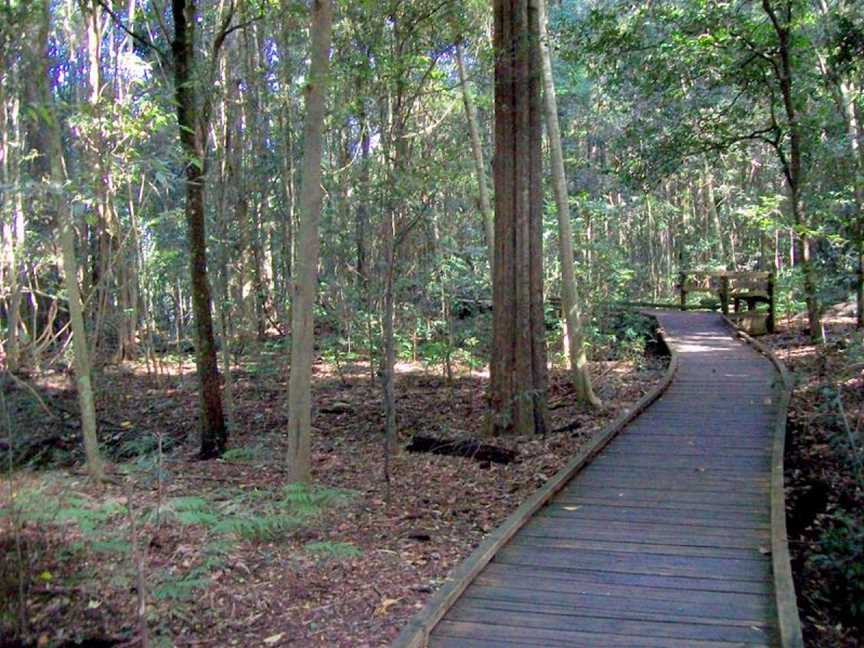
244, 454
258, 527
840, 561
257, 514
332, 550
311, 500
193, 510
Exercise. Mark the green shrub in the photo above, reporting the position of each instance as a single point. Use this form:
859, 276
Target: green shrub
840, 562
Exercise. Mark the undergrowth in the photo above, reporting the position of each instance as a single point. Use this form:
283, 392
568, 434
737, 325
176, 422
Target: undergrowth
99, 529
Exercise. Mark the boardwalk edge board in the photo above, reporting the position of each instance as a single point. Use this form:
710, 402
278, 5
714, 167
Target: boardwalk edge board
416, 633
784, 586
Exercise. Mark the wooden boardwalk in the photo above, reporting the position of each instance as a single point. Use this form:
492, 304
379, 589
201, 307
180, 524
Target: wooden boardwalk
665, 538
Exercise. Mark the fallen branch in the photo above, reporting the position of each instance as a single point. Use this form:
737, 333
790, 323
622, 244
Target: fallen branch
469, 449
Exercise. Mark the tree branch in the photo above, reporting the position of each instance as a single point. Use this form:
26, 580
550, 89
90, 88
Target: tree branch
146, 42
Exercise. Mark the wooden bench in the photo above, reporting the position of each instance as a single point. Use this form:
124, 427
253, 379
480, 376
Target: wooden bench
737, 288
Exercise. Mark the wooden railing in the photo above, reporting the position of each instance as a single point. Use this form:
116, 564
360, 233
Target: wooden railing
735, 288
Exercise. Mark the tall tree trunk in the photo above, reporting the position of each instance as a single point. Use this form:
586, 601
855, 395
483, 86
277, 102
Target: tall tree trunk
569, 296
794, 171
395, 152
287, 215
81, 353
222, 138
193, 133
305, 288
388, 378
518, 367
714, 211
855, 132
65, 224
361, 214
11, 207
486, 210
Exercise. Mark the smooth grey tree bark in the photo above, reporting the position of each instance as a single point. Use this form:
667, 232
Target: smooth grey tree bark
486, 210
308, 239
65, 224
574, 342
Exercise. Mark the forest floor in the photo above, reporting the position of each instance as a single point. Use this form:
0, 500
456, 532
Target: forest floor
824, 478
227, 553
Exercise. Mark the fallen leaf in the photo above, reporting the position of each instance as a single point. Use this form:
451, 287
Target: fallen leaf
386, 604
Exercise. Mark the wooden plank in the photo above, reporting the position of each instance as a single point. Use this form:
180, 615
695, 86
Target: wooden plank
513, 635
691, 491
633, 528
659, 451
692, 482
685, 443
630, 603
618, 586
644, 548
601, 535
631, 498
556, 619
659, 535
725, 569
709, 505
720, 423
747, 519
715, 433
654, 580
748, 465
639, 492
650, 474
461, 642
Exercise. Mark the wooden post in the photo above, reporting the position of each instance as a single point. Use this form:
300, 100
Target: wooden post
724, 294
772, 304
682, 279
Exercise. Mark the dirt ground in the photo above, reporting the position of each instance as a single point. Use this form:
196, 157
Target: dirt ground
224, 553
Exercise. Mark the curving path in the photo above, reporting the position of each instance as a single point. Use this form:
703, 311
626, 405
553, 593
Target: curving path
662, 540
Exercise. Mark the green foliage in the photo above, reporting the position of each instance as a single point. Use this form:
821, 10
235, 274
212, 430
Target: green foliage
183, 586
193, 511
840, 561
258, 527
244, 454
139, 446
91, 517
332, 550
308, 501
622, 333
228, 517
257, 515
180, 588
